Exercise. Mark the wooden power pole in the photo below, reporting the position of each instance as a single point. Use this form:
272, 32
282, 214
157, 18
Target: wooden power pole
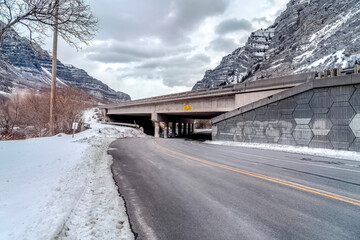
53, 71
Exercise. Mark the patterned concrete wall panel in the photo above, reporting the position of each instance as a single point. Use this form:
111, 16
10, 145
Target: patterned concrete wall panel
259, 138
261, 114
273, 116
321, 102
249, 132
261, 110
240, 124
341, 113
272, 133
273, 105
303, 114
260, 131
273, 113
320, 142
239, 137
341, 93
320, 118
221, 125
355, 125
230, 121
238, 118
214, 131
230, 128
317, 90
225, 137
287, 139
249, 116
302, 135
355, 100
286, 106
355, 146
320, 124
341, 137
287, 124
304, 98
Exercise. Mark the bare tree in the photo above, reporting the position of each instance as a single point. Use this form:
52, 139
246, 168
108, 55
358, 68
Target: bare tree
9, 116
76, 23
71, 102
33, 118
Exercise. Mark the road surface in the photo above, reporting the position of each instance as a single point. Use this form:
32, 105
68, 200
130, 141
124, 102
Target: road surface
184, 189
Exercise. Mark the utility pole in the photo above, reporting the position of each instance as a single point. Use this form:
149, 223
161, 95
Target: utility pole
53, 71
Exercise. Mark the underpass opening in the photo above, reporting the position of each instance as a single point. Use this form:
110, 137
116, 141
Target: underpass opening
144, 121
188, 125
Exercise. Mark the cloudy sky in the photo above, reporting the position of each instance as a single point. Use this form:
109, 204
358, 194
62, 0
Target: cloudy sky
154, 47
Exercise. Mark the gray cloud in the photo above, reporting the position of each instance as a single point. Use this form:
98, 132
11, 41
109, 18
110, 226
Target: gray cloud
173, 71
169, 20
261, 20
124, 52
221, 44
233, 25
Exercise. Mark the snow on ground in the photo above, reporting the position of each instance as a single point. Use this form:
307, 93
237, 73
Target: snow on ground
339, 154
62, 187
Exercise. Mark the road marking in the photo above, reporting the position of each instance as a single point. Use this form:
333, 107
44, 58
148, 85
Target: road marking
264, 177
301, 163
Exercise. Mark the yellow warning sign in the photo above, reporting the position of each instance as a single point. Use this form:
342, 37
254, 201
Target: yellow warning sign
187, 107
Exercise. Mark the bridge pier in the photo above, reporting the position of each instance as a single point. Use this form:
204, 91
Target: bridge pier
179, 128
166, 130
157, 129
173, 129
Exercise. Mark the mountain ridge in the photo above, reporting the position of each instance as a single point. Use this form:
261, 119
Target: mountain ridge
309, 35
27, 65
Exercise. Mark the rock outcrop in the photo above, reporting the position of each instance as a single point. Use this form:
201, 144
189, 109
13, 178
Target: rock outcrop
310, 35
26, 65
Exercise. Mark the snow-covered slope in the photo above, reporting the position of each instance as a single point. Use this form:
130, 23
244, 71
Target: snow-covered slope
25, 65
49, 186
310, 35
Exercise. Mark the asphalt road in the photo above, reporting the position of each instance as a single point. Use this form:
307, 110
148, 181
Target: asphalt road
184, 189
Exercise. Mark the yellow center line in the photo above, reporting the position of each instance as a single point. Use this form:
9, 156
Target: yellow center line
264, 177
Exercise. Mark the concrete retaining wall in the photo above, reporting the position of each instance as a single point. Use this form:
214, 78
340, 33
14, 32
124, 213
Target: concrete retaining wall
324, 117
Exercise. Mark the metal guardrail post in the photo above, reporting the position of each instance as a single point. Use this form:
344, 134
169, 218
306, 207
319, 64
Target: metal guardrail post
339, 71
332, 72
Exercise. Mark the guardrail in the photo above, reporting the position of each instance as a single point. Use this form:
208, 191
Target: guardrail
122, 124
338, 72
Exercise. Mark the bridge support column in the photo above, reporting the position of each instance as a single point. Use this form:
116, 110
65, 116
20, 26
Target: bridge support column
186, 129
173, 129
192, 127
166, 130
189, 128
179, 129
157, 129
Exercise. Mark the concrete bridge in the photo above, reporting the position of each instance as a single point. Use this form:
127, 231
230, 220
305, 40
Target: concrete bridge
179, 110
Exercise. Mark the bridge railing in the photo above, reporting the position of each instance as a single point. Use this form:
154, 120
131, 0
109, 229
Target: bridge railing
227, 89
334, 72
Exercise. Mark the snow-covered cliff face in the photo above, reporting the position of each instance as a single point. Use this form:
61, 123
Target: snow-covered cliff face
23, 65
310, 35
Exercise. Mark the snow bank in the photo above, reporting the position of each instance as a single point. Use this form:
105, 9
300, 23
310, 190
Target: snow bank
321, 152
62, 187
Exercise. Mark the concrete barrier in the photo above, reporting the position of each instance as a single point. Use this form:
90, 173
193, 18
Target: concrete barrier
322, 113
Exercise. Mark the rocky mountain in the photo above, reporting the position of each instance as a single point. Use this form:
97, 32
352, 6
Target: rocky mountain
310, 35
26, 65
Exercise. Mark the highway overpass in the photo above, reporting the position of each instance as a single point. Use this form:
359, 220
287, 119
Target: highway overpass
181, 109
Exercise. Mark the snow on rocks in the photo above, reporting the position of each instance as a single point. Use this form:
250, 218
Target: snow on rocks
62, 187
